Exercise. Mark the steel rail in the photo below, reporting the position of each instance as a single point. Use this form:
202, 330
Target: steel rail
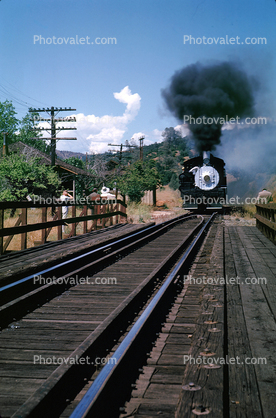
95, 252
17, 301
52, 244
91, 403
58, 388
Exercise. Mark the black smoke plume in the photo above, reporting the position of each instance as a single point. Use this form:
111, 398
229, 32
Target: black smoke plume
215, 91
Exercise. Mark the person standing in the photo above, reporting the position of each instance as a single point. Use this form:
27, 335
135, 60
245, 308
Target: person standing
64, 198
94, 199
94, 195
264, 196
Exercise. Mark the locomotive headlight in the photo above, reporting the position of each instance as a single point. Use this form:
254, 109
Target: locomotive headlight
206, 178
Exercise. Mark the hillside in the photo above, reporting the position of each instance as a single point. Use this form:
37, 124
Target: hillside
169, 157
63, 155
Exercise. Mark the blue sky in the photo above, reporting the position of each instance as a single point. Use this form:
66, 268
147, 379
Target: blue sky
116, 88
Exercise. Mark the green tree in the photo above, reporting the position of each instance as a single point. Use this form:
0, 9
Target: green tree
168, 162
21, 176
174, 182
170, 155
8, 122
76, 162
29, 136
20, 130
137, 178
171, 135
80, 180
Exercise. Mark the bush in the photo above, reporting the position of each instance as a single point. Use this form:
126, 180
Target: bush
138, 178
174, 183
21, 176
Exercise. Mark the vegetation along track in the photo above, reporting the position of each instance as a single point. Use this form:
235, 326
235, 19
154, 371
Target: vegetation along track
53, 353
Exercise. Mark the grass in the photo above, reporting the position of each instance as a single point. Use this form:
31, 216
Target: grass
170, 198
168, 205
138, 213
247, 212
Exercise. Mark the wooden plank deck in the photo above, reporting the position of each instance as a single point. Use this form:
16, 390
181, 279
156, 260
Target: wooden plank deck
57, 328
252, 324
243, 312
36, 258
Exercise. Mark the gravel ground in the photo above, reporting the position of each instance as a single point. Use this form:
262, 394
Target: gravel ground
229, 220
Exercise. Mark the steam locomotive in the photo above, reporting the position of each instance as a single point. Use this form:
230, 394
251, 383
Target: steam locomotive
203, 182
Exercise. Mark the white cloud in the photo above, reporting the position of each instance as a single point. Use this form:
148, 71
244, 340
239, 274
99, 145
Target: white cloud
183, 129
135, 137
94, 133
157, 135
151, 138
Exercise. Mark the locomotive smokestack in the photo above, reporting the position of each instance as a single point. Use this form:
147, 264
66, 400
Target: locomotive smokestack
205, 97
206, 157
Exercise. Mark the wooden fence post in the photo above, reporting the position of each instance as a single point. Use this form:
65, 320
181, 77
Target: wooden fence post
110, 208
95, 211
85, 222
24, 234
122, 209
44, 219
73, 230
103, 210
59, 211
106, 214
154, 196
116, 208
1, 227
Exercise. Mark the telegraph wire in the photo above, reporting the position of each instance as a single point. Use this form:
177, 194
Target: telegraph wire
8, 95
19, 91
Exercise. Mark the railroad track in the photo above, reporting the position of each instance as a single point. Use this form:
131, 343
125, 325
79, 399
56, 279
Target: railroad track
18, 264
23, 295
76, 322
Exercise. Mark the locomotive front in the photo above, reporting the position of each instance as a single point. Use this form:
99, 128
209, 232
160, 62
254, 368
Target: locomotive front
203, 182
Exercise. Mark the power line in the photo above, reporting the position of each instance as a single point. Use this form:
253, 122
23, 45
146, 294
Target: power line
121, 148
53, 111
11, 86
19, 101
19, 91
8, 95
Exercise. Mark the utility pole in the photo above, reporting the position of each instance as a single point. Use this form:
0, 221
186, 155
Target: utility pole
53, 130
121, 148
5, 144
141, 139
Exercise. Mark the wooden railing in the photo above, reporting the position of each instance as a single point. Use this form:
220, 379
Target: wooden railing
265, 220
102, 214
